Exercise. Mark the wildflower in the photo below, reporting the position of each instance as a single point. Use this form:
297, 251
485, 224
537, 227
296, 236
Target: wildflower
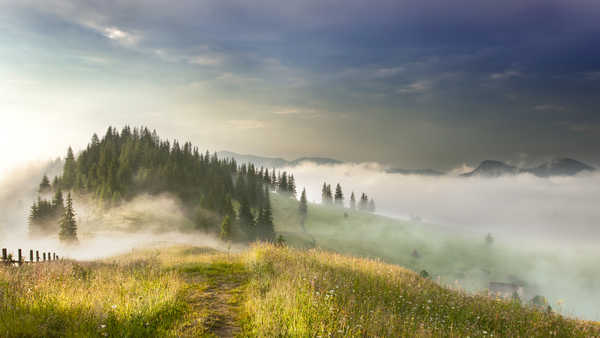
114, 306
102, 326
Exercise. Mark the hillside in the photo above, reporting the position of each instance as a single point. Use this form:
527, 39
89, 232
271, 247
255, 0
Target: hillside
556, 167
264, 291
275, 162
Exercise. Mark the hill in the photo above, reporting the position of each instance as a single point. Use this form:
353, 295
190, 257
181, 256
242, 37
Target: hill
265, 291
490, 168
560, 167
275, 162
556, 167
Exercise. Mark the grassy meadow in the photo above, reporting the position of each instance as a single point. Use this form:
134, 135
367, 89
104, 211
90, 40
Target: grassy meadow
264, 291
463, 260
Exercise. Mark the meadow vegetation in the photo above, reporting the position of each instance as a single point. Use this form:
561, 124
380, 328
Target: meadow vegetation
264, 291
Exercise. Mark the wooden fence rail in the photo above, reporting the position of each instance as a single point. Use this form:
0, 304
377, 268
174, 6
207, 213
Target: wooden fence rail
20, 260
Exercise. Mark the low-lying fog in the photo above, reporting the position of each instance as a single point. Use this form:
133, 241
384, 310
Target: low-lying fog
560, 210
545, 229
102, 233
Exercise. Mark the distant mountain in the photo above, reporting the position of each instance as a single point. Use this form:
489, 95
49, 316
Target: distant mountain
560, 167
490, 168
267, 162
275, 162
422, 172
315, 160
557, 167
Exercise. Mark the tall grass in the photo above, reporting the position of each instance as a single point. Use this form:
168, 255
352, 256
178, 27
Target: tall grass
315, 293
263, 292
132, 298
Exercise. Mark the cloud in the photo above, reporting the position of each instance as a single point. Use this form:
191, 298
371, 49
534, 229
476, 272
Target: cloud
123, 37
388, 72
416, 87
246, 124
508, 74
205, 60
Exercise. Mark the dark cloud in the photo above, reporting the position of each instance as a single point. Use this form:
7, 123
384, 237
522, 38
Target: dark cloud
495, 70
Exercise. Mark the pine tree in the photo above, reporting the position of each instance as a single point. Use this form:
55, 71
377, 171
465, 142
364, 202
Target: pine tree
69, 171
58, 203
352, 201
292, 185
68, 226
264, 226
45, 184
339, 196
329, 195
225, 229
246, 220
303, 207
324, 193
283, 183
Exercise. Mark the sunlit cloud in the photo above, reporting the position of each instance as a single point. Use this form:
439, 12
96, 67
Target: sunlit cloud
121, 36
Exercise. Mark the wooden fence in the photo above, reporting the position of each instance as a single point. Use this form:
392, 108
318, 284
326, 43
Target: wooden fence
20, 259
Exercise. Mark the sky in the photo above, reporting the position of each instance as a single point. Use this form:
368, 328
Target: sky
407, 83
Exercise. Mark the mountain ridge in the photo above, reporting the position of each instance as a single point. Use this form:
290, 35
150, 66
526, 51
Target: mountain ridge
556, 167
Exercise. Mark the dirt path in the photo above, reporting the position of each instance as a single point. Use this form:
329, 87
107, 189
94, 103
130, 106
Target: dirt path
215, 297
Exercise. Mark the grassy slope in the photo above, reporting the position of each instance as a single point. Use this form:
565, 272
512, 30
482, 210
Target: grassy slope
445, 255
265, 291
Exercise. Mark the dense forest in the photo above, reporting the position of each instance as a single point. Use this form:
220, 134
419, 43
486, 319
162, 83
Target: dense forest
121, 165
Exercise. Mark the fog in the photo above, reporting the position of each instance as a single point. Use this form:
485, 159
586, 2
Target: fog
545, 229
146, 221
561, 210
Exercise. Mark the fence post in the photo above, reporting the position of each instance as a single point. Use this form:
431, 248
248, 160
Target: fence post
31, 256
49, 257
20, 257
54, 256
4, 256
44, 256
37, 255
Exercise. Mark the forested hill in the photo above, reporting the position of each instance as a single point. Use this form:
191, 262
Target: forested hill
122, 164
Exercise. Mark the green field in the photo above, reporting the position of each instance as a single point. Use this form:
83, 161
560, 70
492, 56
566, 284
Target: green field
263, 291
568, 283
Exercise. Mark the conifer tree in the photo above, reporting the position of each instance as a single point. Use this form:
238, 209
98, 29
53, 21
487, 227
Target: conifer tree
283, 183
329, 195
273, 177
246, 220
68, 226
45, 184
292, 185
339, 196
324, 193
264, 226
225, 229
58, 203
303, 207
352, 201
69, 171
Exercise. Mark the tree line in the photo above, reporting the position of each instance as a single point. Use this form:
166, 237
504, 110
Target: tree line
220, 196
327, 198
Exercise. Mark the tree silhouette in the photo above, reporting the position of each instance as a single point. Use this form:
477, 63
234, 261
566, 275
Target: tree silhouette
68, 226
